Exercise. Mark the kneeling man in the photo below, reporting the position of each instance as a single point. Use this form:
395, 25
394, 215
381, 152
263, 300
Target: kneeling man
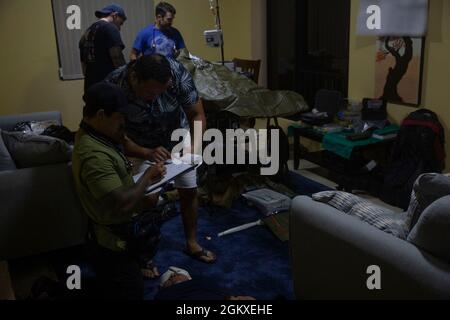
109, 195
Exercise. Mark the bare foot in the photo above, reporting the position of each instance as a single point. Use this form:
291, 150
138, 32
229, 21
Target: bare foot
150, 271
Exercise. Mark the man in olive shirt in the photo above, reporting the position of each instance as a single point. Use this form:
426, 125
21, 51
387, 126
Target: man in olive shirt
105, 186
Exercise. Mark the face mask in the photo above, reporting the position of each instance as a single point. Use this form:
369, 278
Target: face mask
174, 270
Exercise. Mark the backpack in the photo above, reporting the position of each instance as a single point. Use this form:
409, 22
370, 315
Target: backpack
419, 148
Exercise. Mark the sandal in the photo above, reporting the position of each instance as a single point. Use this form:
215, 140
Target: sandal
201, 255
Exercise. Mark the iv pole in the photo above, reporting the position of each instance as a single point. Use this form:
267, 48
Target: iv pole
216, 13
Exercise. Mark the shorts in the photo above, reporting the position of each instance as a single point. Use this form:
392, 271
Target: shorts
187, 180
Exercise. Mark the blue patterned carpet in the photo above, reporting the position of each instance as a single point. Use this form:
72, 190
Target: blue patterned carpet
252, 262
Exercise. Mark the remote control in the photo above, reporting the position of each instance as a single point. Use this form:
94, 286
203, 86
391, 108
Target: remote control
359, 136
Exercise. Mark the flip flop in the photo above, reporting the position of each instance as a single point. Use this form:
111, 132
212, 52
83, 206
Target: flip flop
200, 254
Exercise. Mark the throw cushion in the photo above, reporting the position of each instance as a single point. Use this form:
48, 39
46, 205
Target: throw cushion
30, 150
36, 127
432, 230
428, 188
6, 162
379, 217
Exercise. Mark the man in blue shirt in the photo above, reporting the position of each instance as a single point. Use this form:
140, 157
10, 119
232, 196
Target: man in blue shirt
161, 37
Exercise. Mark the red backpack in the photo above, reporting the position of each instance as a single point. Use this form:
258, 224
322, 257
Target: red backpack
419, 148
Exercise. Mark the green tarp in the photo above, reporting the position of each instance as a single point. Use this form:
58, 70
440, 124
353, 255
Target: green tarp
224, 90
338, 143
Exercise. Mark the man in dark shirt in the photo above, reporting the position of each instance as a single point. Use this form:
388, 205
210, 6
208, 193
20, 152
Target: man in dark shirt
101, 45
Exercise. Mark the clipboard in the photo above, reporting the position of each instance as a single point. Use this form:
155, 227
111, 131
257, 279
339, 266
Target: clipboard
173, 171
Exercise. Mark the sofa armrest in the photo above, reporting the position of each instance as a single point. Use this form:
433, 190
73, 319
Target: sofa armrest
331, 252
7, 123
40, 211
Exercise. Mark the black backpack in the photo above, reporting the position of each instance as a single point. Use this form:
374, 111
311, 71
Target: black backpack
419, 148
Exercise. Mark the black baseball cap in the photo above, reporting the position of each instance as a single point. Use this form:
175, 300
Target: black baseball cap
111, 8
106, 96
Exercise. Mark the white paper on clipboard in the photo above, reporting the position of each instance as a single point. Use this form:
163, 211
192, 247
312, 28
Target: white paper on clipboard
173, 171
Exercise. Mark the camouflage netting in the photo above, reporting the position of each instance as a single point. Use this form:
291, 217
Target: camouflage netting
223, 90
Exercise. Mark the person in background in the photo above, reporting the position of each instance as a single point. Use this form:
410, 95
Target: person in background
160, 37
101, 45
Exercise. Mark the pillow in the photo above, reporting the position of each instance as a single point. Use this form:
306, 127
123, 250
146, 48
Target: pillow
30, 150
6, 162
36, 127
432, 230
379, 217
428, 188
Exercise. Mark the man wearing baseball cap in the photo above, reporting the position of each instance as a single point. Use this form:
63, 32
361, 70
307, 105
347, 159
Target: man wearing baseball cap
101, 46
110, 197
109, 9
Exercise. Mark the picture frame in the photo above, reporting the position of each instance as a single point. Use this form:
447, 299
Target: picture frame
398, 70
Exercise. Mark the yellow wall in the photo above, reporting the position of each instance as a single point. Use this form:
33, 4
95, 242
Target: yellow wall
29, 79
436, 75
194, 16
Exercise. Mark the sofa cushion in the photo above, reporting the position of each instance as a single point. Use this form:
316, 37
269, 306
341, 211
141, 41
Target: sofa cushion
432, 230
428, 188
379, 217
6, 162
30, 150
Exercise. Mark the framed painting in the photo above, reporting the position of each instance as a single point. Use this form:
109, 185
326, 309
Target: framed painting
398, 70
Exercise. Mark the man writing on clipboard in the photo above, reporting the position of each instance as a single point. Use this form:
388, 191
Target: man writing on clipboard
123, 233
162, 98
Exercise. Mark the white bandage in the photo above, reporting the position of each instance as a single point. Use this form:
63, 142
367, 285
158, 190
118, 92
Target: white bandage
173, 270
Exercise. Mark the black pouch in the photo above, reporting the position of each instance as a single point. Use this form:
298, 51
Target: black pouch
60, 132
374, 110
142, 235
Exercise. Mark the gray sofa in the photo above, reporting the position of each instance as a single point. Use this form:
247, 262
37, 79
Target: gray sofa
39, 208
331, 252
